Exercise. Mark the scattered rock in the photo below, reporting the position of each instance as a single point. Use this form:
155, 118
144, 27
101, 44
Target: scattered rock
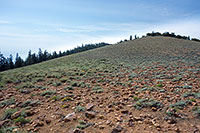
1, 95
70, 117
16, 114
171, 121
89, 106
29, 112
117, 129
102, 126
124, 111
37, 123
137, 118
2, 123
78, 131
101, 117
90, 114
48, 121
130, 124
154, 109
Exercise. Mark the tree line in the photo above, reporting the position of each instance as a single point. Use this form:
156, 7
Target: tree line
33, 58
167, 34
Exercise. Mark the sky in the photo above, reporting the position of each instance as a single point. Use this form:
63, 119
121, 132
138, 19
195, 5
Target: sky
60, 25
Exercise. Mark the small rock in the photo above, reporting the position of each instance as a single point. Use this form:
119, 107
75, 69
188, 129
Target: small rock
16, 114
78, 131
2, 123
1, 95
138, 118
130, 124
29, 112
102, 126
177, 130
90, 114
89, 106
70, 117
124, 111
38, 123
154, 109
48, 121
101, 117
171, 121
117, 129
12, 106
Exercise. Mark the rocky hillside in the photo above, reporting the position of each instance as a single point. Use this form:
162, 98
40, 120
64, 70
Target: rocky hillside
145, 85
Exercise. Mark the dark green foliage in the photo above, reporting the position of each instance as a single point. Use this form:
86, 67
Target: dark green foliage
7, 113
48, 92
82, 124
7, 102
63, 80
9, 130
180, 104
68, 88
143, 103
167, 34
56, 84
25, 91
7, 63
191, 94
29, 103
21, 120
80, 108
173, 112
160, 85
98, 89
196, 111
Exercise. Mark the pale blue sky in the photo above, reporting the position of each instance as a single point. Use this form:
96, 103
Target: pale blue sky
63, 24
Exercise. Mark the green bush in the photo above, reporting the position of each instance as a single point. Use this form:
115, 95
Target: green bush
7, 102
80, 109
68, 88
48, 92
143, 103
82, 124
98, 89
160, 85
180, 104
63, 80
8, 112
196, 111
21, 120
56, 84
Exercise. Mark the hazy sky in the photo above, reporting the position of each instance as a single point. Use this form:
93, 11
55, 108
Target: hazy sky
63, 24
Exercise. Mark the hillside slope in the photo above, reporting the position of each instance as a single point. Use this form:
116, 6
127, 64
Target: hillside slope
145, 85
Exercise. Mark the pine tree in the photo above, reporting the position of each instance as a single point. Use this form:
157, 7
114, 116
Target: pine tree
18, 61
10, 62
29, 60
40, 55
131, 38
2, 62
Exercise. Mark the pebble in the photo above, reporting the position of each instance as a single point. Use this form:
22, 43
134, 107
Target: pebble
89, 106
90, 114
70, 117
16, 114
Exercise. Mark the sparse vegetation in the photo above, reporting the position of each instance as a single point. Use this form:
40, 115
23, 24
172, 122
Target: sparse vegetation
48, 92
153, 81
143, 103
7, 102
80, 108
8, 112
21, 120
